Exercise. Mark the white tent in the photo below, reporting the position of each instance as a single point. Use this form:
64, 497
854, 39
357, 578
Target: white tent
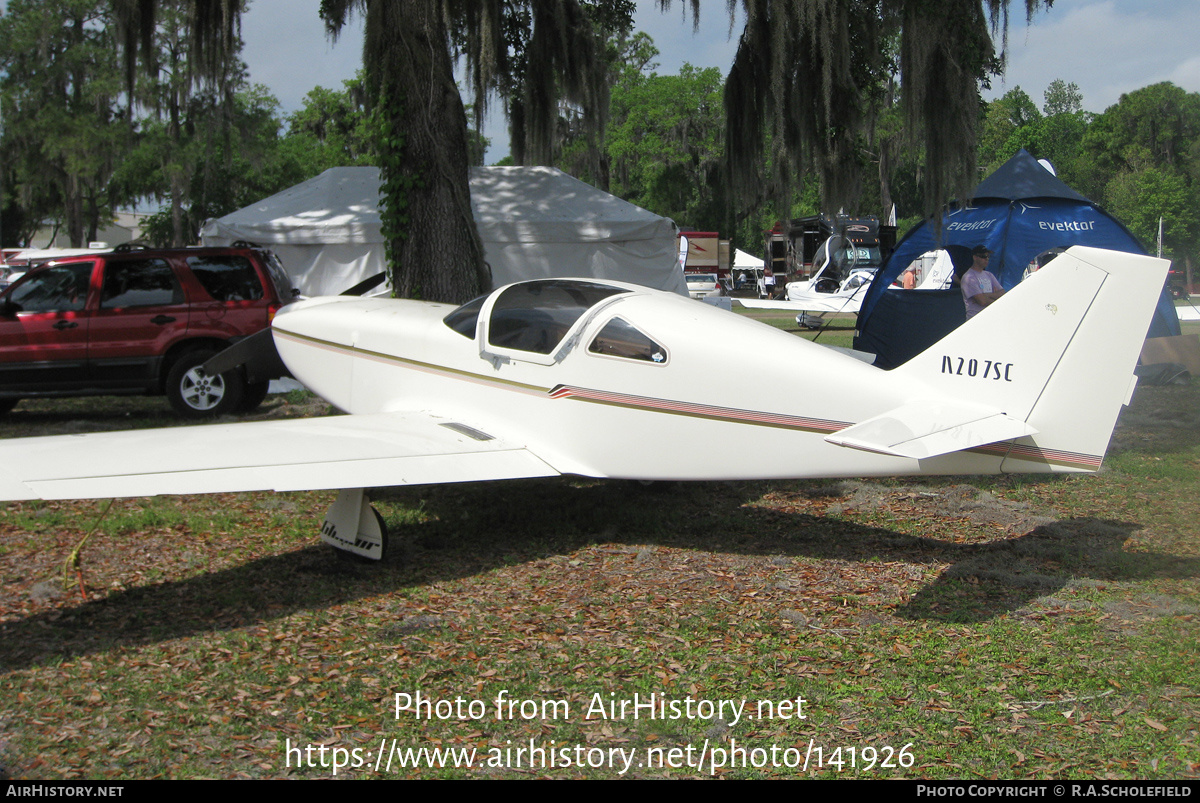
744, 261
535, 222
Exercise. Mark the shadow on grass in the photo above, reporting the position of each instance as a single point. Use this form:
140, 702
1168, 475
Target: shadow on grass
1160, 420
471, 529
37, 417
991, 579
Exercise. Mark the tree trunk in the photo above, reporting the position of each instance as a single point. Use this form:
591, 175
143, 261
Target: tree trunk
435, 253
73, 209
175, 169
178, 238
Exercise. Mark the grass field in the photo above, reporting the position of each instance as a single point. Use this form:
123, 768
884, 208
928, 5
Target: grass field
1007, 627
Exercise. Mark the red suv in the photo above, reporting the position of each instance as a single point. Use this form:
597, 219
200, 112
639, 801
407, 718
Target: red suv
139, 321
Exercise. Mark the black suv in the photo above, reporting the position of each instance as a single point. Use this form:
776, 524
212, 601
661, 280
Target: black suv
1177, 282
139, 321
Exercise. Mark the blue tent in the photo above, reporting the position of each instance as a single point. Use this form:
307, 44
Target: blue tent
1018, 212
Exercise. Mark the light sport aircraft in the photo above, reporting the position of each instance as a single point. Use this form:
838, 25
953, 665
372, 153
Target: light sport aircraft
602, 379
822, 295
837, 286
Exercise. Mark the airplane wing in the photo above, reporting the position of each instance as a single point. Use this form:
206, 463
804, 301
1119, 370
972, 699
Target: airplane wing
929, 428
812, 305
346, 451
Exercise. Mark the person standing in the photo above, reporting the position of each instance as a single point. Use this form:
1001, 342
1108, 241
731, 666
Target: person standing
980, 287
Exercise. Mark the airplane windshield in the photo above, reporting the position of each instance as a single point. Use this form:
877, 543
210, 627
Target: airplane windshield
463, 319
535, 316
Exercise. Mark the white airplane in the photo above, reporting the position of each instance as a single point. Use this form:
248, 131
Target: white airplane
603, 379
823, 294
933, 270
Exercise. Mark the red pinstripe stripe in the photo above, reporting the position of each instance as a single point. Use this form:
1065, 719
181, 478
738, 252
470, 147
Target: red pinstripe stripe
700, 410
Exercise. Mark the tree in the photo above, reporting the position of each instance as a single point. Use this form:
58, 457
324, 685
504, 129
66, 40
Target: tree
420, 121
230, 157
1139, 199
1156, 125
665, 141
1145, 155
63, 124
332, 128
1062, 98
573, 135
190, 108
1011, 122
1061, 133
806, 72
803, 71
420, 128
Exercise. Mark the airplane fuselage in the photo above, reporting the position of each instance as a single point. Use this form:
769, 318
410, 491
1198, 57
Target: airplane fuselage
711, 406
603, 379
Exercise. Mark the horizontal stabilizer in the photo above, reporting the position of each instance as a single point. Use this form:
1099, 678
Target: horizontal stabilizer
930, 428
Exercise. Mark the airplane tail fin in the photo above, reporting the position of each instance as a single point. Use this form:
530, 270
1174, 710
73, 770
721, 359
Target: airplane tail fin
1057, 353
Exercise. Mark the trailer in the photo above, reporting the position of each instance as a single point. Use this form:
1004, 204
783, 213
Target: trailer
706, 253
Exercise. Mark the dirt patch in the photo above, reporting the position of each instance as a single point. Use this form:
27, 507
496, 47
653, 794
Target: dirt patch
1149, 607
955, 501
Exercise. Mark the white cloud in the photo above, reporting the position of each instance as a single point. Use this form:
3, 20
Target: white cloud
1187, 74
1107, 47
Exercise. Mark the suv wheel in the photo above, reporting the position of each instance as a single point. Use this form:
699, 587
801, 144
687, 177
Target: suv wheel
195, 394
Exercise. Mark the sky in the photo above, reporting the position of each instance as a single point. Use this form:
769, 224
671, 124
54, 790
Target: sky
1106, 47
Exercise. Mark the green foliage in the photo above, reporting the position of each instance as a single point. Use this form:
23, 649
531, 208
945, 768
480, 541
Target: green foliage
1145, 163
1062, 98
1012, 122
397, 176
1139, 198
203, 147
1156, 125
232, 157
666, 145
332, 129
64, 129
